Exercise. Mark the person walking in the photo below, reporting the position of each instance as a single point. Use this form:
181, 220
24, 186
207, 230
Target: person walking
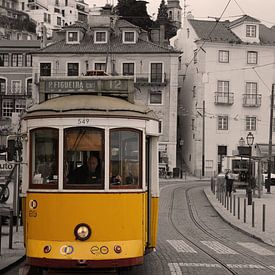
229, 182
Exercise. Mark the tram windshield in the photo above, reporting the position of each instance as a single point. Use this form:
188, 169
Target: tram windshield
125, 152
44, 157
83, 158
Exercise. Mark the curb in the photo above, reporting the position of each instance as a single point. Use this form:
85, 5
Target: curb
13, 264
234, 225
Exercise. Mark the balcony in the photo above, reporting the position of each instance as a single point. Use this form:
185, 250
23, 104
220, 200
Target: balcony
224, 98
252, 100
19, 94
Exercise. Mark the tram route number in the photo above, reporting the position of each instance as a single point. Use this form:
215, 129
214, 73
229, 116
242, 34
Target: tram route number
83, 121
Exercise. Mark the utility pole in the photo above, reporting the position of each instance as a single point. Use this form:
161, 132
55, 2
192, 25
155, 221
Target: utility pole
270, 142
203, 138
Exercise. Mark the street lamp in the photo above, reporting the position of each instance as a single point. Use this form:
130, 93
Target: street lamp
249, 141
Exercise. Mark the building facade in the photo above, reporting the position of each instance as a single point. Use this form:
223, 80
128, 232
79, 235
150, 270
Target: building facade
113, 46
226, 76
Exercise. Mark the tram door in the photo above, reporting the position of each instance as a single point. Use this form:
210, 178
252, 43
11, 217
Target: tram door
148, 183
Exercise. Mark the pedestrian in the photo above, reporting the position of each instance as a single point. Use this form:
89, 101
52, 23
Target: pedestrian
228, 182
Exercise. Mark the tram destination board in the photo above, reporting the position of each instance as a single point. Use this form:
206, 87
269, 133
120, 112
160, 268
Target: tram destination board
103, 85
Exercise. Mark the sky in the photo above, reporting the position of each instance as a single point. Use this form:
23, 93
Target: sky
201, 9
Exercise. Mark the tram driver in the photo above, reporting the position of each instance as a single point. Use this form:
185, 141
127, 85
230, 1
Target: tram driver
89, 172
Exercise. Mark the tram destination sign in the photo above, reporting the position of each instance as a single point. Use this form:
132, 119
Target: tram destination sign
81, 85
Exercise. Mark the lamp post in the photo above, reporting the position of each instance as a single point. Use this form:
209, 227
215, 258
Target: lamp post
249, 141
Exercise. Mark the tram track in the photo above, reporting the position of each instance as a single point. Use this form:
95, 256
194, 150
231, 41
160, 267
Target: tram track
205, 229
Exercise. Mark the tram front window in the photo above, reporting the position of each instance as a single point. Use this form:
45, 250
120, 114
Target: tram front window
125, 158
83, 158
44, 158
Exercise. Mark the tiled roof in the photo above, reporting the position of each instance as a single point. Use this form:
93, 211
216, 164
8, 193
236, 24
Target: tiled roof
243, 19
77, 24
20, 43
214, 31
267, 35
87, 45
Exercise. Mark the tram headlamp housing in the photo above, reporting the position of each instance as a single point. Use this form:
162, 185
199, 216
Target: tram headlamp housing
82, 232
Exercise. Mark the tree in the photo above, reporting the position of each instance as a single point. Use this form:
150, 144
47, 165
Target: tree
135, 12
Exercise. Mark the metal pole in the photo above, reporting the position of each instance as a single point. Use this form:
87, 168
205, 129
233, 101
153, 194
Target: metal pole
203, 136
239, 202
270, 142
244, 210
253, 214
263, 225
234, 205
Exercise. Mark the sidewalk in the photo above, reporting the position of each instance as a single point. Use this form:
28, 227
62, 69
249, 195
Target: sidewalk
268, 235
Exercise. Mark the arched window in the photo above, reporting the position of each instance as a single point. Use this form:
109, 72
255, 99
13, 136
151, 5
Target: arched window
3, 86
125, 159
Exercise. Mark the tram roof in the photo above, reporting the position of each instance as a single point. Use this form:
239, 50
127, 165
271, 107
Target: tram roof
89, 105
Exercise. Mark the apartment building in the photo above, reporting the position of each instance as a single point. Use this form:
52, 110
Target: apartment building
110, 45
226, 76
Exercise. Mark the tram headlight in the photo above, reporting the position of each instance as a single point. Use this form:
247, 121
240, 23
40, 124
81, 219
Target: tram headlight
82, 232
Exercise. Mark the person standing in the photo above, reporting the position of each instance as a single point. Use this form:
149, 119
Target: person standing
228, 182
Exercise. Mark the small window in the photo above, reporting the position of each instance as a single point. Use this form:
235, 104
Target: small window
58, 21
29, 87
222, 122
73, 69
155, 97
160, 127
17, 60
128, 68
100, 66
252, 57
4, 59
72, 36
100, 37
250, 123
16, 87
44, 158
45, 69
223, 56
20, 106
3, 86
129, 37
125, 159
250, 31
7, 108
28, 60
83, 158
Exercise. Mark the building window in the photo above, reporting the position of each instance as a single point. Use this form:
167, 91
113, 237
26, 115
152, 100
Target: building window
29, 87
194, 91
100, 37
250, 31
16, 87
49, 18
222, 122
73, 69
160, 127
156, 72
17, 60
128, 68
100, 66
58, 21
72, 36
155, 97
20, 106
252, 57
7, 108
129, 37
28, 60
223, 86
3, 86
45, 17
223, 56
193, 124
4, 59
250, 123
45, 69
273, 124
251, 88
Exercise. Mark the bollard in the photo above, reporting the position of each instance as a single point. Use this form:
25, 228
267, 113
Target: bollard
249, 195
253, 214
263, 225
227, 203
244, 210
239, 202
230, 203
234, 205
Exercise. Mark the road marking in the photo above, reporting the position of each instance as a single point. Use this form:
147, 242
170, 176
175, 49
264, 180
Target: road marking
256, 248
218, 247
181, 246
199, 265
257, 266
174, 269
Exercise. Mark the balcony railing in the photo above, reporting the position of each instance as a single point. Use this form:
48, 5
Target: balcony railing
151, 80
224, 98
252, 100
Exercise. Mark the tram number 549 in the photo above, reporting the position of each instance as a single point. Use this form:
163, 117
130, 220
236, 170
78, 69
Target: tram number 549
83, 121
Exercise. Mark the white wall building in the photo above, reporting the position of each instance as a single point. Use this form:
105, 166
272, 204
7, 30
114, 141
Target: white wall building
226, 77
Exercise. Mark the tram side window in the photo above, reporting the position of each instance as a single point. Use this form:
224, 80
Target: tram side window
125, 158
83, 158
44, 157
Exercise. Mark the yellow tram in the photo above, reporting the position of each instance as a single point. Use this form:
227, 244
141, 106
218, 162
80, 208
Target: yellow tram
78, 218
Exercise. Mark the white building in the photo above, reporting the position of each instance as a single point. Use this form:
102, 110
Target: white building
226, 76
